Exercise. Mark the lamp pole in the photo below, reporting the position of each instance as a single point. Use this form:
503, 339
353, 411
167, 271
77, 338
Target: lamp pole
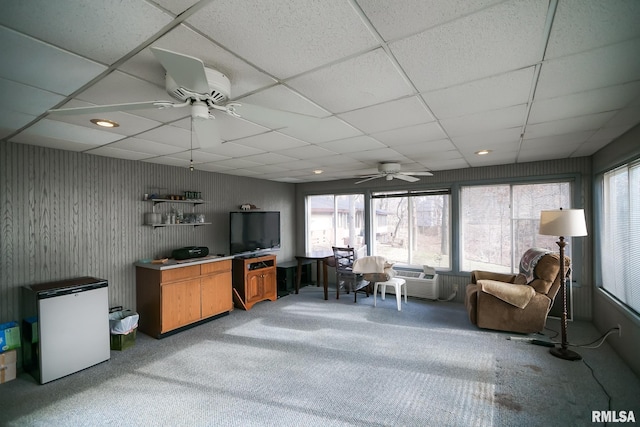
563, 352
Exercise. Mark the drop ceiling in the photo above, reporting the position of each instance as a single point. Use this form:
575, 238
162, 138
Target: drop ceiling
426, 83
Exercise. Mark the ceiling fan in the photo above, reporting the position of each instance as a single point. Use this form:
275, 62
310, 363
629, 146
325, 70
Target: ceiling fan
204, 90
390, 170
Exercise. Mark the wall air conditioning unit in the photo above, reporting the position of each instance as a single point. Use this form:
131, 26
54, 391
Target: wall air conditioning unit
422, 281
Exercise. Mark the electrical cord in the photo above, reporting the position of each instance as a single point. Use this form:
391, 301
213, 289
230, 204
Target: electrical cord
601, 339
593, 374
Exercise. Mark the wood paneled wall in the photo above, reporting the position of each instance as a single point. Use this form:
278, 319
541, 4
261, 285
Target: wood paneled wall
66, 214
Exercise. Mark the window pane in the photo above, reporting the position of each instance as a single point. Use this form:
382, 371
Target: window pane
528, 201
320, 220
500, 222
413, 229
334, 220
486, 228
620, 249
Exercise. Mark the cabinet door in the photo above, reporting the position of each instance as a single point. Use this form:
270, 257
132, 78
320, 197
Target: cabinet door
216, 294
270, 290
254, 287
180, 304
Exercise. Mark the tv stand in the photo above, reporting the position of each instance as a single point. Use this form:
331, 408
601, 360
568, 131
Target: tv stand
254, 279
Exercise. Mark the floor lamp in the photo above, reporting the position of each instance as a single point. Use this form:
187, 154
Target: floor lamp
563, 223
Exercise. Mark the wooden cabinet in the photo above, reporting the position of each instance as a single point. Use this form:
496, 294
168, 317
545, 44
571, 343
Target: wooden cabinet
254, 279
173, 298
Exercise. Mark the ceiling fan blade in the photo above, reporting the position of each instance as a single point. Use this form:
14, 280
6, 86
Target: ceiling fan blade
187, 71
206, 131
369, 179
425, 173
114, 107
405, 177
273, 118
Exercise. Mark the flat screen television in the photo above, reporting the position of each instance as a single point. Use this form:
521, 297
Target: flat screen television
254, 231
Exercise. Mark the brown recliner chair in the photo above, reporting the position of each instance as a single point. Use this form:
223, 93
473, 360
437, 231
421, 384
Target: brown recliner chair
516, 302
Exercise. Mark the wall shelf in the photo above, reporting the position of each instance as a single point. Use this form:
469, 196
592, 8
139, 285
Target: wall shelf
194, 224
193, 202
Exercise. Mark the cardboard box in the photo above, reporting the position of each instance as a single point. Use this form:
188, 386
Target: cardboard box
8, 366
9, 336
123, 342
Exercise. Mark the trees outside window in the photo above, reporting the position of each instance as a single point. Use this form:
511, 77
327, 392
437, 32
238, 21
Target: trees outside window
412, 228
500, 222
335, 220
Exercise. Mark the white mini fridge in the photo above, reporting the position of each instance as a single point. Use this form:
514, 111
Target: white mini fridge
73, 327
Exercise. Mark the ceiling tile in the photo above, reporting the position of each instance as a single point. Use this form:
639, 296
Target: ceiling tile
176, 6
488, 141
118, 153
399, 19
26, 99
492, 93
475, 46
485, 122
583, 103
103, 31
199, 156
581, 25
547, 147
382, 155
272, 141
352, 145
328, 129
270, 158
10, 121
607, 66
280, 97
145, 146
389, 115
72, 133
367, 79
33, 63
306, 152
213, 167
285, 38
493, 159
570, 125
411, 134
244, 78
237, 163
415, 151
170, 135
230, 149
130, 124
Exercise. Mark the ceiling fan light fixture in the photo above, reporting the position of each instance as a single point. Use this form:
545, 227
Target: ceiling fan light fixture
483, 152
105, 123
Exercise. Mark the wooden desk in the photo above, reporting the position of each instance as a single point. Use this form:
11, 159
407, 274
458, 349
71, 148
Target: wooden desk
320, 257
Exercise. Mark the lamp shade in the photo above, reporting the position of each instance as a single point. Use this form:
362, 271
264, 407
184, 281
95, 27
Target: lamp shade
563, 222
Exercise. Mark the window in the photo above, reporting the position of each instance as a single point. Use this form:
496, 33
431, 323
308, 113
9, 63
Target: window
335, 220
412, 227
500, 222
620, 229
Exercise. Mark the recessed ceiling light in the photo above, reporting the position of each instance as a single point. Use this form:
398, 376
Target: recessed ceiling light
318, 171
483, 152
105, 123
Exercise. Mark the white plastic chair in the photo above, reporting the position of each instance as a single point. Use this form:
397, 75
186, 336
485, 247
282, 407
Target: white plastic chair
399, 283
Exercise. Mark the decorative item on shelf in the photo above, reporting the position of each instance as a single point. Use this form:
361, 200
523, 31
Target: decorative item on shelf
563, 223
247, 207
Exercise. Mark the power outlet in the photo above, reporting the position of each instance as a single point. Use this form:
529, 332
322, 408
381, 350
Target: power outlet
619, 330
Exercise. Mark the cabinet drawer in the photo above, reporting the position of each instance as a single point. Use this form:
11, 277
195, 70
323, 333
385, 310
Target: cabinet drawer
215, 267
180, 273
